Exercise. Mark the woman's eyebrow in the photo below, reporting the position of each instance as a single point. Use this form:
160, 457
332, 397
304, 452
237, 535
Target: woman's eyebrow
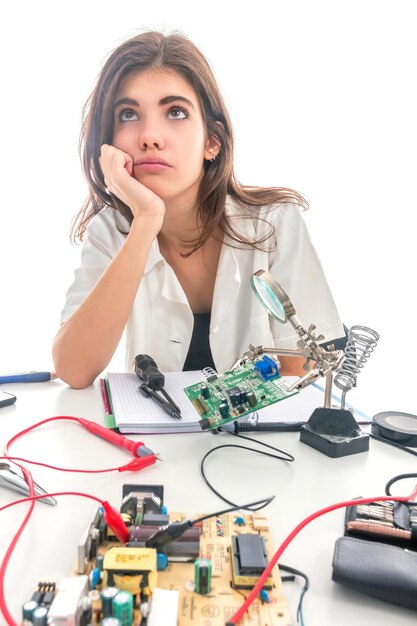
169, 99
162, 102
129, 101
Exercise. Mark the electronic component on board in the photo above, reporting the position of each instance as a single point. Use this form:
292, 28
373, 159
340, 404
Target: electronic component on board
131, 569
267, 368
28, 609
131, 584
122, 607
205, 392
110, 621
164, 608
251, 398
87, 547
249, 559
66, 606
40, 616
202, 576
106, 597
236, 393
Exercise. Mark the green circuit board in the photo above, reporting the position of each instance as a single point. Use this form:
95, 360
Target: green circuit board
223, 398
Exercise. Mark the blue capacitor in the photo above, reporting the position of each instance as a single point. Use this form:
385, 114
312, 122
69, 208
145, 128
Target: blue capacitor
161, 562
263, 594
94, 577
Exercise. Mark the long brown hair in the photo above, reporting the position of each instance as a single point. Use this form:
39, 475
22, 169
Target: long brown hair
174, 52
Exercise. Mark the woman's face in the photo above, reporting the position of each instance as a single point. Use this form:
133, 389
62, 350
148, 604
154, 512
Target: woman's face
158, 121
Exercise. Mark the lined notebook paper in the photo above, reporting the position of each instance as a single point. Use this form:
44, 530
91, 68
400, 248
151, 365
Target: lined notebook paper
136, 414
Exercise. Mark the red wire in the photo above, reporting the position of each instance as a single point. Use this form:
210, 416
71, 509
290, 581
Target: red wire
258, 587
51, 495
9, 619
59, 469
3, 607
45, 421
32, 498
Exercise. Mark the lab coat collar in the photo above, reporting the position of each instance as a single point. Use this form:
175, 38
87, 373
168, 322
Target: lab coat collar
228, 274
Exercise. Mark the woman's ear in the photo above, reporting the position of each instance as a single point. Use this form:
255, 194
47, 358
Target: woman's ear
212, 148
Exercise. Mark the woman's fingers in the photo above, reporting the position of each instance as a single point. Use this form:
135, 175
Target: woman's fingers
117, 169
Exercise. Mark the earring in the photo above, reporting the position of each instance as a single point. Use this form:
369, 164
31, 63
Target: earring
214, 157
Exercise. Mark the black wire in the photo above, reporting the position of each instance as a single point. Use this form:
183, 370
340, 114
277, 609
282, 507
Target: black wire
287, 457
234, 508
296, 572
393, 443
262, 443
395, 479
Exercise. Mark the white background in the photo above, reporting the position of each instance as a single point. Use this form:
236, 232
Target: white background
322, 96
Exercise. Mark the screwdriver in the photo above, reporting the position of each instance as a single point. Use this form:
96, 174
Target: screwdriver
147, 370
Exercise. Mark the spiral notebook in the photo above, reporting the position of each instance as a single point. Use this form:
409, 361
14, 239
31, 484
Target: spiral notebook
134, 413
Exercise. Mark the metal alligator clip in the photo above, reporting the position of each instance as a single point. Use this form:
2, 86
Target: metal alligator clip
12, 480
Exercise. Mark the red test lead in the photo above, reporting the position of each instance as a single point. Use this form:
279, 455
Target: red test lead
137, 448
115, 521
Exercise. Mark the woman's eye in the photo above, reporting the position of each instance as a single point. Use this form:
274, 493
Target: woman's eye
127, 115
176, 113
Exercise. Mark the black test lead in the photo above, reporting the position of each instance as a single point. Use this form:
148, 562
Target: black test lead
146, 391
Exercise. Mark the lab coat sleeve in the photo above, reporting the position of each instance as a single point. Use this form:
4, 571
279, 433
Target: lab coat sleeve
101, 243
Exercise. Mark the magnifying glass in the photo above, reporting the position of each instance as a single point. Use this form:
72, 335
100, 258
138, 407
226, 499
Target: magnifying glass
272, 296
330, 430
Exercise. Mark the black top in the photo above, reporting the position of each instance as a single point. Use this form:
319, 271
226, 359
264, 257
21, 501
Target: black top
199, 353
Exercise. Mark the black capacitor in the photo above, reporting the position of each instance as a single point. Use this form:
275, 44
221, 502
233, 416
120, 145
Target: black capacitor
224, 410
28, 608
86, 611
99, 562
243, 397
205, 392
202, 576
142, 533
40, 616
234, 399
107, 596
251, 398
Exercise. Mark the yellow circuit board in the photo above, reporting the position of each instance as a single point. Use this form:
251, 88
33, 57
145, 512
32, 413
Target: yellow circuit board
216, 607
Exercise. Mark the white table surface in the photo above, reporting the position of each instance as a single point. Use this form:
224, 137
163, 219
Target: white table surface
48, 546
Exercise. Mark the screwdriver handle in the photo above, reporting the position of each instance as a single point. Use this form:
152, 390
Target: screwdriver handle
147, 370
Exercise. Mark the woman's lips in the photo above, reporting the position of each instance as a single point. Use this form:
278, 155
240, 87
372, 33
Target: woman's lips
151, 165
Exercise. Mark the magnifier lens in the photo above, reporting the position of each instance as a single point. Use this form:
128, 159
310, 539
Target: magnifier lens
268, 298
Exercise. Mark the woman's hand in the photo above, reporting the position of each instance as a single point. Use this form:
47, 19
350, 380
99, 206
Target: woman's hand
117, 168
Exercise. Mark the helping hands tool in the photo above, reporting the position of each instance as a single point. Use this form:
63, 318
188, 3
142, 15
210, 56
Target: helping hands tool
153, 380
16, 482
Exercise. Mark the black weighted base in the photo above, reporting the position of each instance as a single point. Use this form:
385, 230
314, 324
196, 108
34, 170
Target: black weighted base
334, 432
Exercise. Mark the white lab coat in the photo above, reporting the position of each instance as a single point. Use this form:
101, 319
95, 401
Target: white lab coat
161, 321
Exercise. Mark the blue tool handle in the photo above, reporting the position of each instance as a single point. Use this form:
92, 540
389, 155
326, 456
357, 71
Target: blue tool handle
29, 377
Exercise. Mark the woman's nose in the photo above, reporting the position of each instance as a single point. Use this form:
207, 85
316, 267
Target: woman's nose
151, 136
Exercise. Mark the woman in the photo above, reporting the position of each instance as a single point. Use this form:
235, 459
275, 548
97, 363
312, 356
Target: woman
170, 238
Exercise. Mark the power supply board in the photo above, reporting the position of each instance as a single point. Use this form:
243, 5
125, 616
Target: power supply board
222, 398
201, 578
